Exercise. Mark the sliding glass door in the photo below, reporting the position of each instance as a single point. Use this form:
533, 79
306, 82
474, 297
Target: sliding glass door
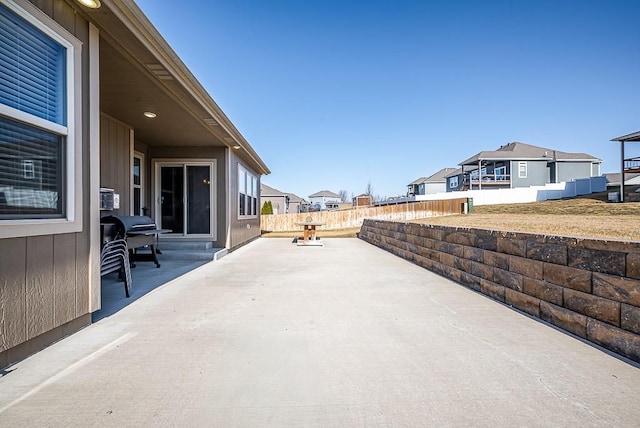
185, 197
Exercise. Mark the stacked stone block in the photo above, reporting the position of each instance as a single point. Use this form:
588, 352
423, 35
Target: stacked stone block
588, 287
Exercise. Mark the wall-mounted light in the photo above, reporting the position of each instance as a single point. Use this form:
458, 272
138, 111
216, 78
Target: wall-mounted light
149, 114
91, 4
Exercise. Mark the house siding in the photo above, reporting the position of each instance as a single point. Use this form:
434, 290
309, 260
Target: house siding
115, 161
431, 188
279, 204
537, 174
571, 170
241, 230
45, 280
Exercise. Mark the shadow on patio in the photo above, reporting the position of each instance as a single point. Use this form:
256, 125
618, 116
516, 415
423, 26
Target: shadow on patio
145, 278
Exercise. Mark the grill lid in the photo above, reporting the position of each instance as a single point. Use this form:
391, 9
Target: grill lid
130, 223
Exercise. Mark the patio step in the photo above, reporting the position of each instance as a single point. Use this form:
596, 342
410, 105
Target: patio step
189, 251
185, 246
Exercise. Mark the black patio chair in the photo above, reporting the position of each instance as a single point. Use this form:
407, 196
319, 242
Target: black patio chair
114, 257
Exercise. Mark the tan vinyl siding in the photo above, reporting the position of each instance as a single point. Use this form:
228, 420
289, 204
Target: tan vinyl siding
115, 160
40, 285
239, 232
64, 278
44, 280
13, 302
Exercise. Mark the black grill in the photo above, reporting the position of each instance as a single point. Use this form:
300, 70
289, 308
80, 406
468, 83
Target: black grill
137, 230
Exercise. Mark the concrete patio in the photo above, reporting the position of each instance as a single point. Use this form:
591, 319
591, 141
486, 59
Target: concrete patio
341, 335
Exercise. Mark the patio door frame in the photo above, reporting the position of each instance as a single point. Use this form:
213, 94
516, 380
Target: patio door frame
184, 163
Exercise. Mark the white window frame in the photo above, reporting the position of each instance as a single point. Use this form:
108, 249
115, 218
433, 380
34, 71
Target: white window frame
501, 170
72, 184
140, 186
248, 182
522, 169
453, 182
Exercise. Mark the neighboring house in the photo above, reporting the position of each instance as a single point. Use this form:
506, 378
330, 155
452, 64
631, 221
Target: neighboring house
282, 203
630, 179
325, 200
435, 183
628, 165
522, 165
101, 100
362, 200
454, 180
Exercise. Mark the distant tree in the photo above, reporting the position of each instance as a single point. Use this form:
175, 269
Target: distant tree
344, 195
369, 190
267, 208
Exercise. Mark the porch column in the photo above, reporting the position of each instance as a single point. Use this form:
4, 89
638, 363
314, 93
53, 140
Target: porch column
479, 175
621, 170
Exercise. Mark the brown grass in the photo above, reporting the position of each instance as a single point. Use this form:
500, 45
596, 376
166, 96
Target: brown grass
585, 217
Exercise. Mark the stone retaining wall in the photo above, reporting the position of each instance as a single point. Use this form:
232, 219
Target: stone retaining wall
588, 287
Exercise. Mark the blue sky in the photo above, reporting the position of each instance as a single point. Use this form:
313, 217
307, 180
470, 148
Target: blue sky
337, 94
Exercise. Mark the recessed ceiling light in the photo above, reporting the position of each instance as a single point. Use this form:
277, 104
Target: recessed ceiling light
92, 4
236, 147
149, 114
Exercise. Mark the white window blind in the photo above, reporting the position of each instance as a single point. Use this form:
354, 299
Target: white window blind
32, 69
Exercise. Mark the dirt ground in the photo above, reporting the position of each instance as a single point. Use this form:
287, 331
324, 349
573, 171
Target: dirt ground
589, 216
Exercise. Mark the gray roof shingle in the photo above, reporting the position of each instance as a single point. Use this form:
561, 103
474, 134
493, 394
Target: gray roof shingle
522, 151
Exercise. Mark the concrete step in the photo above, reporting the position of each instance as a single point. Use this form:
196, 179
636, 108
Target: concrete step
185, 246
186, 251
186, 255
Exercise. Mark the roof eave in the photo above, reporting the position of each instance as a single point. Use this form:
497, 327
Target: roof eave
635, 136
131, 16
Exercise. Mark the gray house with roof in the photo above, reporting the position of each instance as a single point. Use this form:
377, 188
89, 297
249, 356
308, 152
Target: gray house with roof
435, 183
521, 165
325, 199
282, 202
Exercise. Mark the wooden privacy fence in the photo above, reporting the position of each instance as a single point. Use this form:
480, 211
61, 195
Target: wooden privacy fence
354, 217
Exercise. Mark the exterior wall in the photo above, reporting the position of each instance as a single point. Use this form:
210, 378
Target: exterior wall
294, 207
431, 188
196, 153
115, 161
572, 170
241, 230
278, 202
588, 287
537, 174
453, 189
595, 170
45, 280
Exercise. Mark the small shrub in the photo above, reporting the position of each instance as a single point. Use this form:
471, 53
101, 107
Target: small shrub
267, 208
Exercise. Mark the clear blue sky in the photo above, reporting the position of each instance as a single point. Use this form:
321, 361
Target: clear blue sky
334, 94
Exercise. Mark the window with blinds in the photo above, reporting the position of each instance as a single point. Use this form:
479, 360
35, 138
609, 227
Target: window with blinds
33, 120
247, 193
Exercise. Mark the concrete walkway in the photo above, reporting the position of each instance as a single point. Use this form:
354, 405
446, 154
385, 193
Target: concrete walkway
337, 336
